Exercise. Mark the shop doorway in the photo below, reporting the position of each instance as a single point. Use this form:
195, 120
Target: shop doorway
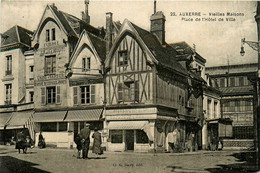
129, 140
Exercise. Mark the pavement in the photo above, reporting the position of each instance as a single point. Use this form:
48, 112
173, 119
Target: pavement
64, 160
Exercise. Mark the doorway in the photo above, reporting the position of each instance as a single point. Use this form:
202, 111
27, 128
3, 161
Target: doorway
129, 140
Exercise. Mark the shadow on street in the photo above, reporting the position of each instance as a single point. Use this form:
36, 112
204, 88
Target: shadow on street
248, 164
11, 164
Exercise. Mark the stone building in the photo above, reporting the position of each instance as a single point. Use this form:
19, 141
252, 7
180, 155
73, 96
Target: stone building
14, 93
237, 99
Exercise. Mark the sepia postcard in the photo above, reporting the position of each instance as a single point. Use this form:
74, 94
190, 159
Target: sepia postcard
129, 86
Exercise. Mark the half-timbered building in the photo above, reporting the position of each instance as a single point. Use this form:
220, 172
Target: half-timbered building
149, 94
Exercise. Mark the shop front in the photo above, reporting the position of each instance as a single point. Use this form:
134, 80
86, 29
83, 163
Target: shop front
129, 136
54, 130
218, 130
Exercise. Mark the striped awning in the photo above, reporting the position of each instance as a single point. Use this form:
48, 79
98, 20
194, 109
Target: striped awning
51, 116
4, 118
126, 125
84, 115
18, 120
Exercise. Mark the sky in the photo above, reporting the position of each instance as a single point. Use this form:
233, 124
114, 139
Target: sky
217, 41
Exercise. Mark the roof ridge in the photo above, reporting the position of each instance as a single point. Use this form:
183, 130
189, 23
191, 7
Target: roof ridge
24, 28
17, 33
101, 39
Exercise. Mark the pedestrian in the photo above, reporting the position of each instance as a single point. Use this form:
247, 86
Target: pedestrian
79, 145
97, 142
84, 134
20, 143
41, 142
170, 141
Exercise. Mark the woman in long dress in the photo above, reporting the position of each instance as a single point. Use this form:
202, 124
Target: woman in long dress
97, 142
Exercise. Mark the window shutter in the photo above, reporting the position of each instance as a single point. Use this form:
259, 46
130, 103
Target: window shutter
75, 95
136, 91
120, 92
43, 96
58, 98
93, 92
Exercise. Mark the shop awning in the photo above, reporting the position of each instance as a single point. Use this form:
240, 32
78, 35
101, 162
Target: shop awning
18, 119
84, 115
52, 116
4, 118
126, 125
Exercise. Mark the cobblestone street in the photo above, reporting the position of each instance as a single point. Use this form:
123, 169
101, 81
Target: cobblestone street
63, 160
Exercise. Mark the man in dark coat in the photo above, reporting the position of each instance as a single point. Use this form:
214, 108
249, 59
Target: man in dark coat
20, 143
84, 134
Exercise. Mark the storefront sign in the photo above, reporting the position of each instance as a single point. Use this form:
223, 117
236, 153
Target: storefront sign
85, 82
49, 83
52, 76
51, 50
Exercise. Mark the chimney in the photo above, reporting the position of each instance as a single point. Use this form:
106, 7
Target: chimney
85, 16
158, 26
109, 33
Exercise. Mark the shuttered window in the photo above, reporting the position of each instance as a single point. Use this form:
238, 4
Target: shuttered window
120, 92
75, 95
43, 96
128, 92
58, 100
87, 94
93, 92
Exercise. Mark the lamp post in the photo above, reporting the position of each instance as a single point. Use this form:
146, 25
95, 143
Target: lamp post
255, 45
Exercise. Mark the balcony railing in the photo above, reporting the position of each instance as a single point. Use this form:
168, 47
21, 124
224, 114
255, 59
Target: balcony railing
8, 72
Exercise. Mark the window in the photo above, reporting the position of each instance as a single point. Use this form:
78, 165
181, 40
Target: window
47, 35
50, 64
222, 82
116, 136
141, 137
31, 96
31, 72
49, 127
215, 109
87, 94
62, 126
8, 65
53, 34
8, 94
75, 95
88, 63
249, 105
84, 64
241, 81
122, 58
232, 82
209, 108
51, 95
128, 91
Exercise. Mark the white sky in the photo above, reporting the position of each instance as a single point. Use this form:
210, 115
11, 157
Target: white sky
215, 41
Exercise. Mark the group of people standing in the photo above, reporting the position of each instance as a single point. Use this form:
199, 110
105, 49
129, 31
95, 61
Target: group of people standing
83, 140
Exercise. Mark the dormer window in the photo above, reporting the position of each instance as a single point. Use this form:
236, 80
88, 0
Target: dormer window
122, 58
47, 35
53, 34
86, 64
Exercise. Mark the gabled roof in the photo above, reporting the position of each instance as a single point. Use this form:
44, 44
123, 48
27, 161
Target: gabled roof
94, 41
60, 15
100, 46
16, 34
72, 25
165, 55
